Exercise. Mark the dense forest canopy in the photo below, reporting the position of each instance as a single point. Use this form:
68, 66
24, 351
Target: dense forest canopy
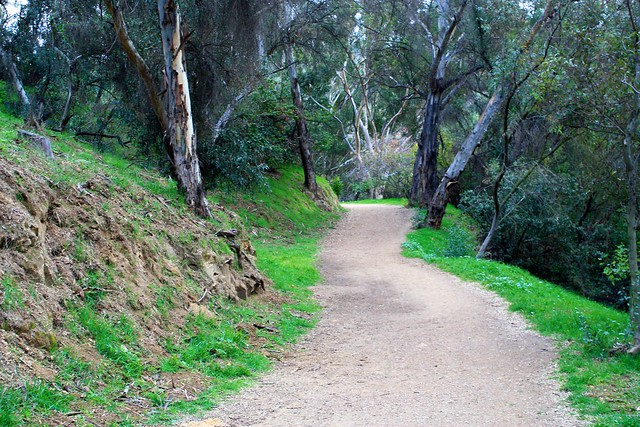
525, 114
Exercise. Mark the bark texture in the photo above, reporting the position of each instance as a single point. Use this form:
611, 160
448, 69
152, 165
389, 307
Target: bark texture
143, 70
181, 131
443, 193
425, 168
176, 122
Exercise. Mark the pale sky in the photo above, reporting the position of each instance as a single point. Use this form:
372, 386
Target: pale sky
13, 6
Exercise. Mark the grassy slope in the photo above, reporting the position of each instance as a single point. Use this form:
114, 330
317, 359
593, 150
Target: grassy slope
603, 386
288, 225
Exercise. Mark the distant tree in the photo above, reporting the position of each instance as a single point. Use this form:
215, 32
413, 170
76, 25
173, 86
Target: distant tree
292, 21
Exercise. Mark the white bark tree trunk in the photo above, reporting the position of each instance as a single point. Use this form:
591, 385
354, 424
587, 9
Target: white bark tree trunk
182, 134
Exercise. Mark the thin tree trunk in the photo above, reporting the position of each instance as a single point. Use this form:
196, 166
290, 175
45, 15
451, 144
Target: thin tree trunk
499, 203
65, 117
496, 216
10, 66
425, 167
182, 134
302, 133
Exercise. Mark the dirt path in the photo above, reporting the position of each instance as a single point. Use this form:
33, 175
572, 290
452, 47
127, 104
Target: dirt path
402, 344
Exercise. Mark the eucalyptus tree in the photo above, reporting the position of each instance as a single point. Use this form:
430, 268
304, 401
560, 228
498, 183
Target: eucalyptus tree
440, 22
176, 117
506, 85
371, 115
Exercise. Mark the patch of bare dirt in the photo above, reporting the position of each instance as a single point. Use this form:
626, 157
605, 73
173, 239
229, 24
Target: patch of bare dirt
63, 244
403, 344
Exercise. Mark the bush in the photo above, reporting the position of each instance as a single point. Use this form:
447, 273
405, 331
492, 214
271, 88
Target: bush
337, 185
256, 141
543, 229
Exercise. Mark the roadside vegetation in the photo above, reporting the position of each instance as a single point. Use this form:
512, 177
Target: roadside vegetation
113, 378
603, 381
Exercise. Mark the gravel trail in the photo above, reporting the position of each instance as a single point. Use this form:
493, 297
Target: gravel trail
400, 343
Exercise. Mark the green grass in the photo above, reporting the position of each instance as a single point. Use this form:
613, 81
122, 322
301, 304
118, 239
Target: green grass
116, 339
11, 297
78, 161
220, 347
281, 209
603, 386
18, 406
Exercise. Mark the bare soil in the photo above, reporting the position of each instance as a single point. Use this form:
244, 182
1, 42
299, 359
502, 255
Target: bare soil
401, 343
63, 245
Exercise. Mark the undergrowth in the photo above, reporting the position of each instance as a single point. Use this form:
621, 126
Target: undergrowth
604, 384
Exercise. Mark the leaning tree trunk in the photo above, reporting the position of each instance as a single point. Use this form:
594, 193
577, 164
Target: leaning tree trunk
442, 194
302, 133
496, 216
181, 132
438, 204
12, 72
425, 167
144, 72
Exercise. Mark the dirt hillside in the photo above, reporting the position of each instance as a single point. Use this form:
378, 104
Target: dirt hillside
403, 344
126, 253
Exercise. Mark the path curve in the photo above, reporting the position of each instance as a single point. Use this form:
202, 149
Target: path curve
400, 343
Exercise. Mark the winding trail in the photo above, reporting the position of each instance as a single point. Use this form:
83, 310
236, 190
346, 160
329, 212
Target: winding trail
402, 344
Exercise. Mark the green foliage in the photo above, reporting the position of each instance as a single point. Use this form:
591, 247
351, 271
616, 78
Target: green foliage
459, 243
255, 142
617, 268
590, 329
337, 185
543, 229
